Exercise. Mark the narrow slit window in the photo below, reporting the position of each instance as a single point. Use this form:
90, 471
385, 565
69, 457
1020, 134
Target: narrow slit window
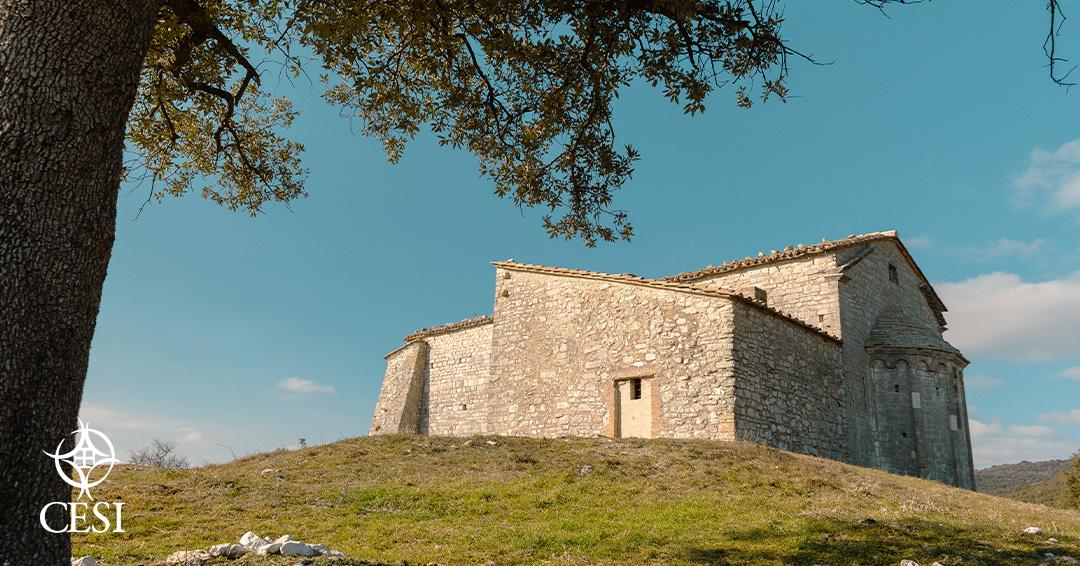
896, 387
635, 389
893, 276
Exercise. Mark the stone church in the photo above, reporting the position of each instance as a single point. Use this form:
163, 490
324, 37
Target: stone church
833, 349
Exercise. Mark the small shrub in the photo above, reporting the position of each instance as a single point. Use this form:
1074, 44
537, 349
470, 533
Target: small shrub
1072, 483
160, 454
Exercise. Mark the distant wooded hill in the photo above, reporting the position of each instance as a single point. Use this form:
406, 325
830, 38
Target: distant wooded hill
1034, 482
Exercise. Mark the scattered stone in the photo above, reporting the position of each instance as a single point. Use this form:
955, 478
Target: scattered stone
84, 561
305, 562
188, 557
937, 564
907, 562
1051, 540
252, 540
491, 443
586, 469
249, 543
1065, 560
296, 548
229, 550
269, 471
1034, 531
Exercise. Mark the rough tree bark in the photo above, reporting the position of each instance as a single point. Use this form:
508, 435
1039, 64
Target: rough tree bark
68, 75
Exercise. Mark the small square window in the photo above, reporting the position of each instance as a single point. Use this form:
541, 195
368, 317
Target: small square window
635, 389
893, 275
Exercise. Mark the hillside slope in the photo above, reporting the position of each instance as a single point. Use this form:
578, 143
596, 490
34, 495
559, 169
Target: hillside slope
571, 501
1005, 478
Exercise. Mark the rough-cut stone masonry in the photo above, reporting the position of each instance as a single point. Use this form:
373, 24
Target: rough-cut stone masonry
456, 382
789, 389
748, 349
560, 343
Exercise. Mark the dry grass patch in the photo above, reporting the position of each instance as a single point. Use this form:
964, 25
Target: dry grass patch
514, 500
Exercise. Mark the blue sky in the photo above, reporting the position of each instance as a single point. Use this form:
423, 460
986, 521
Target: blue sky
235, 335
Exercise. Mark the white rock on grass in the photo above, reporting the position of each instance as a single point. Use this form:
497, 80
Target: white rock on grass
188, 557
253, 541
296, 548
906, 562
1034, 531
84, 561
272, 548
283, 539
228, 550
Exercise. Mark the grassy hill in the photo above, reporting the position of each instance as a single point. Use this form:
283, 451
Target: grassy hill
496, 500
1051, 492
1006, 478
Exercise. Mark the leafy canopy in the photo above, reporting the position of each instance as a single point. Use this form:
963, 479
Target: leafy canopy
525, 86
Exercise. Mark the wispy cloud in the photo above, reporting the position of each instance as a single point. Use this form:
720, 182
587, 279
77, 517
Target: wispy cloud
993, 443
1070, 418
301, 385
1000, 248
1051, 179
1000, 315
975, 381
105, 418
132, 429
1070, 373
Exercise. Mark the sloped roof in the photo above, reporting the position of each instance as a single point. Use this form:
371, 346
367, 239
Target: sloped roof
802, 250
896, 329
629, 279
452, 327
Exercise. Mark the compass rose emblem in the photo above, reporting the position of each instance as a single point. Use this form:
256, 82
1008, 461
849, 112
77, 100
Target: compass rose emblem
92, 450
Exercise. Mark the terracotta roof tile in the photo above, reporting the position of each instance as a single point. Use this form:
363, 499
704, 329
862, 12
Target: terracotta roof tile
803, 250
790, 252
452, 327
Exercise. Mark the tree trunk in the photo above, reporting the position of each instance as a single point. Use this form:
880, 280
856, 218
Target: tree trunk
69, 71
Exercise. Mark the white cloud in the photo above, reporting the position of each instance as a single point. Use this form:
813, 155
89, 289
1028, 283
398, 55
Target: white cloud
1070, 418
993, 444
1051, 177
104, 418
191, 435
975, 381
1000, 315
921, 241
133, 429
1032, 431
300, 385
991, 250
1070, 373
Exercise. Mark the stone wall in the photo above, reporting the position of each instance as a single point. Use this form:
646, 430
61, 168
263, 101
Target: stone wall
398, 408
788, 385
866, 292
455, 396
922, 422
559, 344
804, 287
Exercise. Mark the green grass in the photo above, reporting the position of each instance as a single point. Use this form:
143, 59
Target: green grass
464, 501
